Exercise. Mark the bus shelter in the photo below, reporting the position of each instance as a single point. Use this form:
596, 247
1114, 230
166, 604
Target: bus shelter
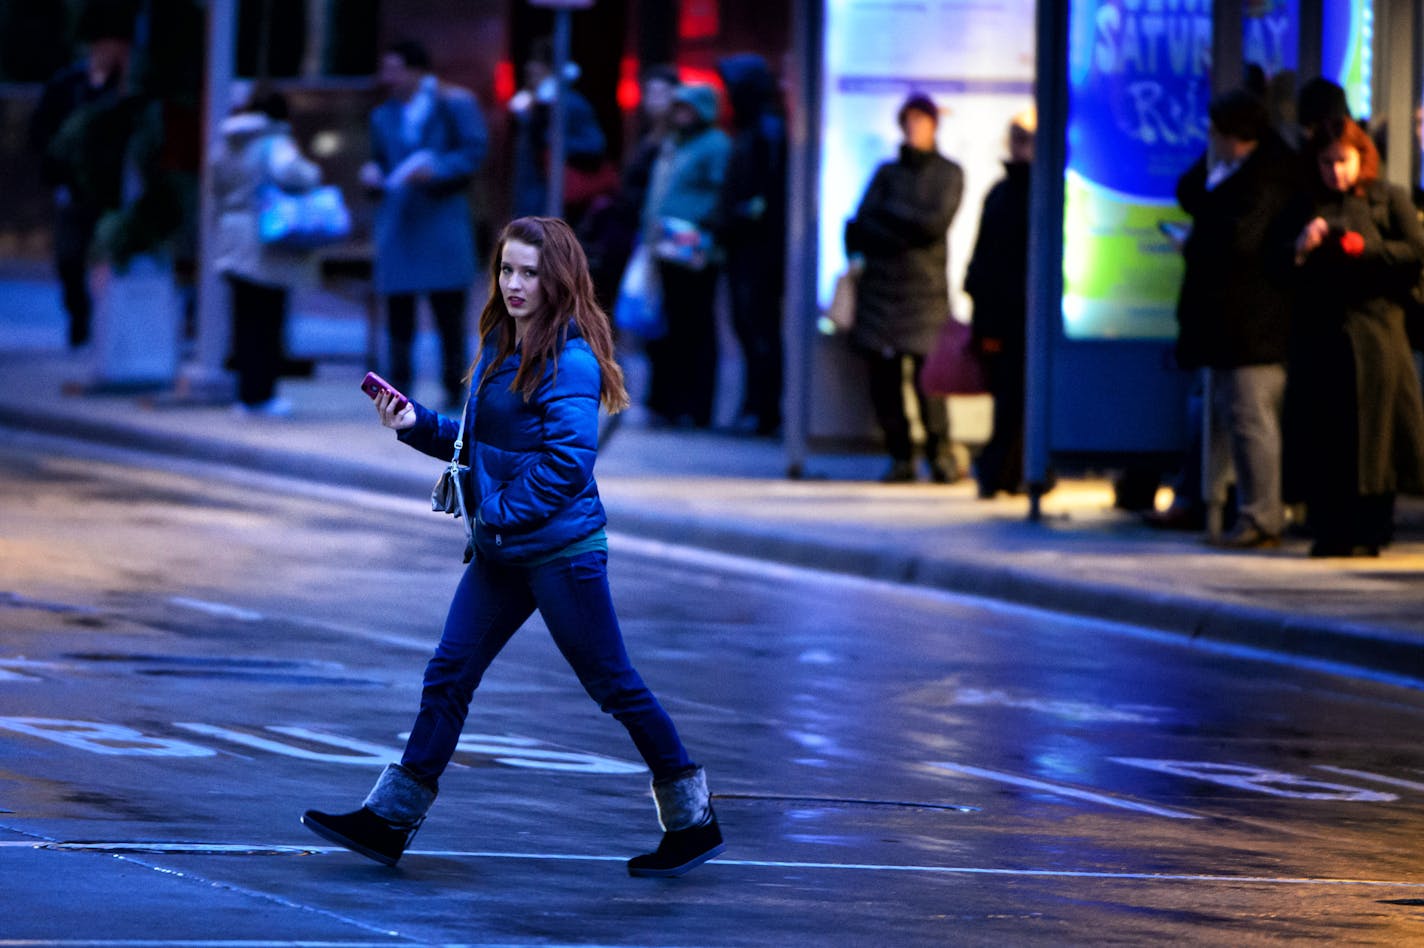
1121, 89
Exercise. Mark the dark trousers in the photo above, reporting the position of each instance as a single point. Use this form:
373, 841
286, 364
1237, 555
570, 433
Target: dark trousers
448, 307
1000, 463
684, 361
887, 397
756, 319
259, 319
490, 604
73, 238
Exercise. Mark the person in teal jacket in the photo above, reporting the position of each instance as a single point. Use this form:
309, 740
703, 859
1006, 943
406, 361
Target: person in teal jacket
681, 221
531, 426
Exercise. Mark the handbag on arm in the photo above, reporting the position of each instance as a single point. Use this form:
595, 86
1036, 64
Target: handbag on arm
448, 494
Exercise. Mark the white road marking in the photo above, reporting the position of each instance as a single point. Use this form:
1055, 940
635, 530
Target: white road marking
220, 609
1064, 790
1377, 778
206, 848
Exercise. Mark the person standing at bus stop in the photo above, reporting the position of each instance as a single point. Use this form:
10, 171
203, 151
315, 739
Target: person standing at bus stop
427, 140
900, 234
1234, 308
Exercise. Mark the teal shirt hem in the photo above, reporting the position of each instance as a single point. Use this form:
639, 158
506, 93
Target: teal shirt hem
595, 541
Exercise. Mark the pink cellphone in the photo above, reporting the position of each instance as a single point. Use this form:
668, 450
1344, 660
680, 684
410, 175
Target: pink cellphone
374, 385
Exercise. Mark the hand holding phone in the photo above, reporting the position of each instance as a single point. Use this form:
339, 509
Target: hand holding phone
374, 385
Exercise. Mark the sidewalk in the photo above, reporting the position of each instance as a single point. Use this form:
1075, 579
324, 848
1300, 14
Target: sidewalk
731, 495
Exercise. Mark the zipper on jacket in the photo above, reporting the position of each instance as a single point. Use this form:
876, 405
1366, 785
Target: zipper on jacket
499, 539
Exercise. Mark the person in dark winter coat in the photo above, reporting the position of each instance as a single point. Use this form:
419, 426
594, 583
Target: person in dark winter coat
754, 232
80, 130
1355, 431
681, 220
899, 235
427, 140
997, 280
531, 111
1233, 312
530, 438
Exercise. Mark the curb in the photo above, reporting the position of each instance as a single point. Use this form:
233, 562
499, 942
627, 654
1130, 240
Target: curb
1372, 648
1368, 647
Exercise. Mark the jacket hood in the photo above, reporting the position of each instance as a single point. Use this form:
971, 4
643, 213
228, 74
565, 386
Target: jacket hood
243, 127
750, 85
703, 99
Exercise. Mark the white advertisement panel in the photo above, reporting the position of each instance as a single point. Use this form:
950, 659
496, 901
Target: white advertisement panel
975, 58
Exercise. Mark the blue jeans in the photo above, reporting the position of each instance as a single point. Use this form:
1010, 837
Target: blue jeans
491, 603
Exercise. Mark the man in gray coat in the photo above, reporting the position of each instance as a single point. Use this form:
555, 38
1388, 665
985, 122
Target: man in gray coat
427, 140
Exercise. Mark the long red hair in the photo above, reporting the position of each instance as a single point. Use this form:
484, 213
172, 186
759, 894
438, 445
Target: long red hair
1348, 132
568, 294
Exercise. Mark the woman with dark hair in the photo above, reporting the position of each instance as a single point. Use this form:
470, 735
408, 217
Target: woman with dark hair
1355, 434
537, 542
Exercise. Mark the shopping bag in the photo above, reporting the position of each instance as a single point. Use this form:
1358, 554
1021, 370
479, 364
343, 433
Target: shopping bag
841, 313
638, 310
953, 367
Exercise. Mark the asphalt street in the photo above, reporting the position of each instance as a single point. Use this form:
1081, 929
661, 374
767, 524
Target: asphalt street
191, 656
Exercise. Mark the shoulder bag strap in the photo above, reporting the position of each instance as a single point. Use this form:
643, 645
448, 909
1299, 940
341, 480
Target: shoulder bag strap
454, 467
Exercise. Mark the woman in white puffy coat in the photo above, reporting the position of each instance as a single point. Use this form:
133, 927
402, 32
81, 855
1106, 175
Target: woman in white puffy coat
258, 148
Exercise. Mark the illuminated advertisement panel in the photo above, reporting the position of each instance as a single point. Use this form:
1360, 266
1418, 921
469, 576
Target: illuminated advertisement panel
974, 57
1347, 35
1140, 81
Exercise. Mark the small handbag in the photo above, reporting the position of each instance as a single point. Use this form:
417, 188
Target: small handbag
448, 494
953, 367
682, 243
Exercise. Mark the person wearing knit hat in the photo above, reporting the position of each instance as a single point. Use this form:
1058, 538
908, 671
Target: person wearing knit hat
899, 241
919, 102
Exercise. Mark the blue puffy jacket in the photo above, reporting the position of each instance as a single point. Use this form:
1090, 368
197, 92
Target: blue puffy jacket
531, 463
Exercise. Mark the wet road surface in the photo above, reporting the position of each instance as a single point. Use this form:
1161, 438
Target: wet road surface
189, 658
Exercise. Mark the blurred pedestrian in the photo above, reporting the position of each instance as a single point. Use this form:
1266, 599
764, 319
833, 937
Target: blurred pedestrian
899, 236
1355, 422
997, 281
681, 217
258, 150
427, 140
81, 137
537, 540
585, 145
754, 233
1233, 312
610, 229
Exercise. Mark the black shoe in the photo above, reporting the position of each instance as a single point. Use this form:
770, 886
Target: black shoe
944, 472
1333, 548
899, 472
362, 832
679, 852
1176, 517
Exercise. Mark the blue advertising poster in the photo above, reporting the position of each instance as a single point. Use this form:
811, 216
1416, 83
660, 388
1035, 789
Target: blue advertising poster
1140, 82
1347, 34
